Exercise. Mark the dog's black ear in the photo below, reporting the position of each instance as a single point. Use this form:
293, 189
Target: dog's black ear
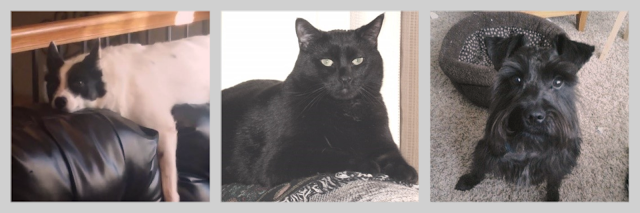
371, 31
54, 59
306, 33
94, 55
499, 49
575, 52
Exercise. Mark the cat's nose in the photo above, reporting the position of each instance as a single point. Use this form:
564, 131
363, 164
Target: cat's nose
346, 79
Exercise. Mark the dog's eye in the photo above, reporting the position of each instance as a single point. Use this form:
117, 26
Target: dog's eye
78, 84
557, 82
517, 80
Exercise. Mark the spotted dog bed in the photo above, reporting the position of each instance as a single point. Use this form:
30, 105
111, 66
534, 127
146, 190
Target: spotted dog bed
338, 187
463, 56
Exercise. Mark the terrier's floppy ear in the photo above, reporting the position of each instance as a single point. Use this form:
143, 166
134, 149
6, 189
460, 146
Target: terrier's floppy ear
371, 31
54, 59
499, 49
306, 33
576, 52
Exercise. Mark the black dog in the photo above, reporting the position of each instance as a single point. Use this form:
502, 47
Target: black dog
532, 134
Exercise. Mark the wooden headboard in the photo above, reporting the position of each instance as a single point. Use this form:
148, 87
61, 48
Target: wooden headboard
36, 36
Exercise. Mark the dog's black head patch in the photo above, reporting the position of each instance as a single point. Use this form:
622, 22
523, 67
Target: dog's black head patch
83, 79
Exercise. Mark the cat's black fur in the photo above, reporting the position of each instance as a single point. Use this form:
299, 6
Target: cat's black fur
321, 119
532, 134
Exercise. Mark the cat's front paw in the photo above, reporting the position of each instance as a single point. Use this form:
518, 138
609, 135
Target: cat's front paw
365, 166
402, 172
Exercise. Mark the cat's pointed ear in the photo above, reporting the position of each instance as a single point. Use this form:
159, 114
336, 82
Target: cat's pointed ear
306, 33
54, 59
94, 55
499, 49
575, 52
371, 31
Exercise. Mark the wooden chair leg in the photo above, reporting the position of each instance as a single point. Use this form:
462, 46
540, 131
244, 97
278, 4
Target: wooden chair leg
612, 35
626, 32
581, 20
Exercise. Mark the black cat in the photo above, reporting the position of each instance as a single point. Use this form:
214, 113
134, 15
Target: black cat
327, 116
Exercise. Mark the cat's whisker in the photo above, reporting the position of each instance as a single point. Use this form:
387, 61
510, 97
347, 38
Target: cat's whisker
320, 94
308, 93
365, 96
370, 95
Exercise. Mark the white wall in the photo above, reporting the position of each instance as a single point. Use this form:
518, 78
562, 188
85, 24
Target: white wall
263, 45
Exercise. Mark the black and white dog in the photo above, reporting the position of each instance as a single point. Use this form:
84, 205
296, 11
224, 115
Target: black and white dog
141, 83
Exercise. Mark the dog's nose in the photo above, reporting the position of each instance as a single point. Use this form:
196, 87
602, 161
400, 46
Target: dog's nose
60, 102
536, 116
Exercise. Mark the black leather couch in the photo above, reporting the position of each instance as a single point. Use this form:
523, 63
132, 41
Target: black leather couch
97, 155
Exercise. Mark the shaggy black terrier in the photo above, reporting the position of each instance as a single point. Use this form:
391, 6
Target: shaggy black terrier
532, 134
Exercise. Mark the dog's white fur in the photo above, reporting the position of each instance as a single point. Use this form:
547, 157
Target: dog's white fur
143, 83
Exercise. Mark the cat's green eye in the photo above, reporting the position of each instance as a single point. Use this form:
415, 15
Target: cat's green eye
326, 62
357, 61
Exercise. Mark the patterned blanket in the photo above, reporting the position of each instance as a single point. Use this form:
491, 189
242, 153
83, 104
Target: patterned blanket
339, 187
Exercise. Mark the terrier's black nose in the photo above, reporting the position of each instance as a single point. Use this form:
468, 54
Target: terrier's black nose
60, 102
536, 116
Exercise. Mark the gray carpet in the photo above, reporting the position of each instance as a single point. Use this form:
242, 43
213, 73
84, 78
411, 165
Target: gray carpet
457, 125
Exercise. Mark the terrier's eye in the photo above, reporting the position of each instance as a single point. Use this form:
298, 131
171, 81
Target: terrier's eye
326, 62
357, 61
558, 82
517, 80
